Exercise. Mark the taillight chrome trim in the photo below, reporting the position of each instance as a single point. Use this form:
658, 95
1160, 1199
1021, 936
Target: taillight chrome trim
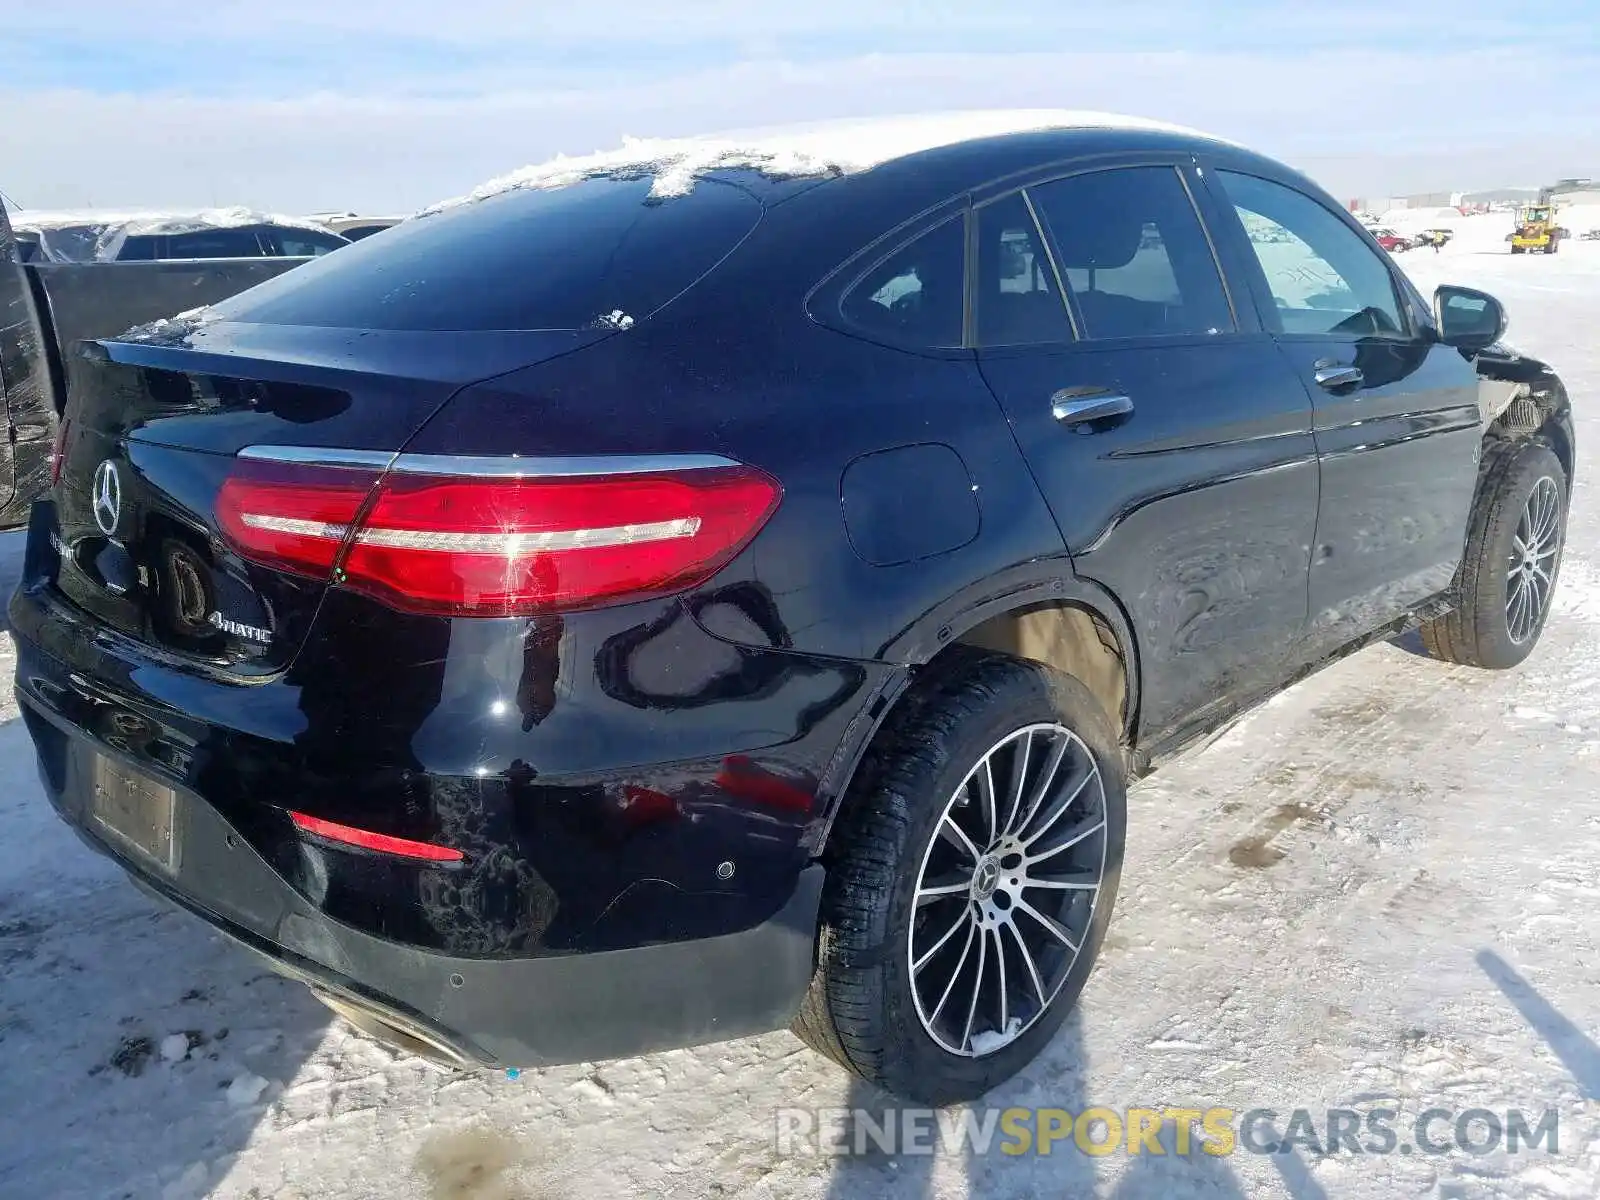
321, 456
489, 467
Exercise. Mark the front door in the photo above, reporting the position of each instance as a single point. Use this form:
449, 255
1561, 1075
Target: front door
1397, 421
1171, 440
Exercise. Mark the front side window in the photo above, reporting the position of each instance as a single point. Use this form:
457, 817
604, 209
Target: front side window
1134, 253
1018, 303
914, 297
1322, 276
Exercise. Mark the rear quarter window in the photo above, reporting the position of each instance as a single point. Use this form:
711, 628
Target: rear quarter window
558, 258
914, 297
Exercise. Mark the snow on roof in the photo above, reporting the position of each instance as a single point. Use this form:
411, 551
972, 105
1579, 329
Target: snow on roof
96, 235
830, 148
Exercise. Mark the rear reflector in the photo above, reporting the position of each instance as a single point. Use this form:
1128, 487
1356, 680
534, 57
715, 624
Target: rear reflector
462, 545
58, 452
365, 839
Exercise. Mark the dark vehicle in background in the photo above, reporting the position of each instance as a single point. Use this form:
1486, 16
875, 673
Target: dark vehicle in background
584, 621
142, 237
48, 308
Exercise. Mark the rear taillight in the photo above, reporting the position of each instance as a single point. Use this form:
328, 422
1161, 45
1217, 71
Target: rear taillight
58, 451
462, 545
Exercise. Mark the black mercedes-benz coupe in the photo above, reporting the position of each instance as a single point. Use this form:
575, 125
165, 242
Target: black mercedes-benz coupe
694, 596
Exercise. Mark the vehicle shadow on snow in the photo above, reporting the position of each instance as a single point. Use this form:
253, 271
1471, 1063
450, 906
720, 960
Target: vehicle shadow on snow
1576, 1050
143, 1050
1055, 1081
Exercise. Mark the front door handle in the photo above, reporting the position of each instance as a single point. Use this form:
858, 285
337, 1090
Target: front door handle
1333, 376
1074, 406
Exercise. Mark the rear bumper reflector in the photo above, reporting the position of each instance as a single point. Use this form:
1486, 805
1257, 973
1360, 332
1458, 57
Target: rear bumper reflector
383, 843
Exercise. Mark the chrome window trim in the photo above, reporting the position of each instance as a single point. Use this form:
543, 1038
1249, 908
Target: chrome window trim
488, 467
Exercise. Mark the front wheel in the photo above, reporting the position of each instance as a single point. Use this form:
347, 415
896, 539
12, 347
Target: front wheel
1513, 556
972, 874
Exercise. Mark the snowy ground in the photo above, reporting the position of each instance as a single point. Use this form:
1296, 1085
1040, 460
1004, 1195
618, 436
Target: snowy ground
1386, 884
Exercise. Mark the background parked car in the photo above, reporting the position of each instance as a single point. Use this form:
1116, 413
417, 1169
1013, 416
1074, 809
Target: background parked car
1391, 241
145, 237
54, 294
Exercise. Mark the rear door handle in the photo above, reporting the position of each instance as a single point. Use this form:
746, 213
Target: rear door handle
1333, 376
1074, 406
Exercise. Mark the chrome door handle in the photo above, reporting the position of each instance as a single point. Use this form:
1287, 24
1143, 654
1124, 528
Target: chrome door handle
1332, 375
1071, 406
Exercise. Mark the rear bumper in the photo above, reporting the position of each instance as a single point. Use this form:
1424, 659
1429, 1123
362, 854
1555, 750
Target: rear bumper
493, 1011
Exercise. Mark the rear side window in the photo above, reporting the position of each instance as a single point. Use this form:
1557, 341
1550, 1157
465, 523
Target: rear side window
1135, 255
239, 242
1018, 301
1322, 275
140, 248
595, 252
915, 296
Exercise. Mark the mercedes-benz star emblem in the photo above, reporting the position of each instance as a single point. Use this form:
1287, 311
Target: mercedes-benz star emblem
986, 879
107, 497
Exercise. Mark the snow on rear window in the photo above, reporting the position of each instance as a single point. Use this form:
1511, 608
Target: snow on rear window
602, 253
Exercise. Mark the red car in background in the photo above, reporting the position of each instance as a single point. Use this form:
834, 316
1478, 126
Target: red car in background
1391, 241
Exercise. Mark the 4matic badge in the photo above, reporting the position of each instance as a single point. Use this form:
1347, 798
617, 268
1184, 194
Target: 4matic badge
253, 633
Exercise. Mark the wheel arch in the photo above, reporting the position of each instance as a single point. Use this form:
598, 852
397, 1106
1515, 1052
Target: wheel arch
1054, 620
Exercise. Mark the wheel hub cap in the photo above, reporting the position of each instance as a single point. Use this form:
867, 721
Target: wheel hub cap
986, 878
1007, 890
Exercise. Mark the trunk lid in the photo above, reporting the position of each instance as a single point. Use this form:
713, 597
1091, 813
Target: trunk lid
153, 425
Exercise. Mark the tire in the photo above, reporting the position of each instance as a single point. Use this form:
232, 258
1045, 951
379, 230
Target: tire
1492, 628
1516, 249
867, 1003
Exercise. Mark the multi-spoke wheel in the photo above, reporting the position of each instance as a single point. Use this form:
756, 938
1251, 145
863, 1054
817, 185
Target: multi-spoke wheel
1513, 554
971, 876
1007, 889
1531, 567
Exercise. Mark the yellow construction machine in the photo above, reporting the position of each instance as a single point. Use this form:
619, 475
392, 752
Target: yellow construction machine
1536, 222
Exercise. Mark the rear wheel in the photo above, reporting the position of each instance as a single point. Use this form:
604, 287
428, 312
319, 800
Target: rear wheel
972, 877
1513, 557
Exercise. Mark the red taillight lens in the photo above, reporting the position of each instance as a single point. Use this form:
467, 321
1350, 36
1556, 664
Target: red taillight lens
468, 546
58, 452
291, 517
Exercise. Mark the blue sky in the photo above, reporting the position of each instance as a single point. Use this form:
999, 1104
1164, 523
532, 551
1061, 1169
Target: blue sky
302, 104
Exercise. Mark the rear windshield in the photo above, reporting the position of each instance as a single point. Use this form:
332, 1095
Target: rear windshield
598, 252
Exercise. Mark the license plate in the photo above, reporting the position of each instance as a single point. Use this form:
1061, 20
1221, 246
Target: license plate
136, 811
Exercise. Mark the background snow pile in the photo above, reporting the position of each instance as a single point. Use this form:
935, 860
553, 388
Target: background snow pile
830, 148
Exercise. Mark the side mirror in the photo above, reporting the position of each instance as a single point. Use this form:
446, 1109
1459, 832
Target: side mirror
1467, 318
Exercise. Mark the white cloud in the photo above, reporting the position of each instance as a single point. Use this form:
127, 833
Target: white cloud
1373, 119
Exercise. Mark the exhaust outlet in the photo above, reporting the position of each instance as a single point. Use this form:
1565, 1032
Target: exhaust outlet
395, 1032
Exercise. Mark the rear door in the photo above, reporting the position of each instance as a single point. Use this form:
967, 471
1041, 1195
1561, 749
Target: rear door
1171, 440
1396, 412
